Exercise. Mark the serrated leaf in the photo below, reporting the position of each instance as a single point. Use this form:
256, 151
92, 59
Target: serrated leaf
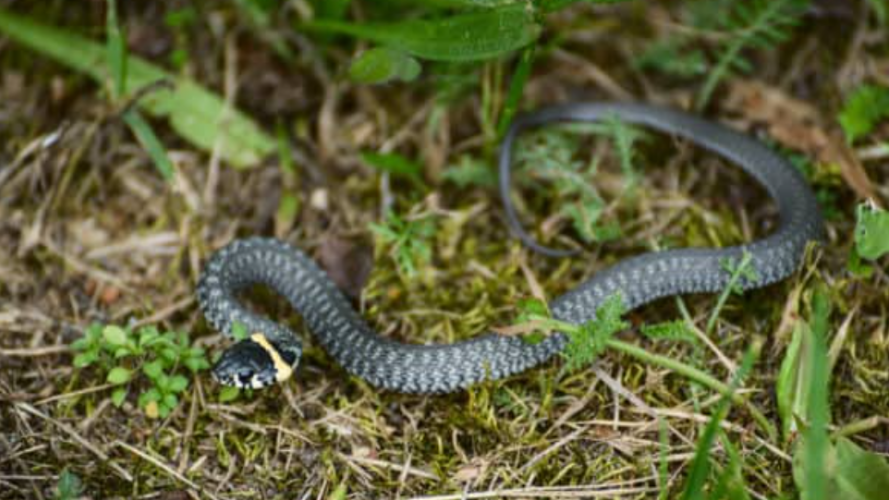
677, 330
114, 335
384, 64
196, 114
464, 37
118, 396
119, 375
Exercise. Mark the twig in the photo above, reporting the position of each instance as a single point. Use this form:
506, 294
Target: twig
77, 437
404, 469
27, 352
166, 468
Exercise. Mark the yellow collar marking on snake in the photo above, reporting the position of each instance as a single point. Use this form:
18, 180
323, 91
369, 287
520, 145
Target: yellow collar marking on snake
283, 371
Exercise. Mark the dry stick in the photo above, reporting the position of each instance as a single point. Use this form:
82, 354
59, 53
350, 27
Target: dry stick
28, 352
164, 467
404, 469
77, 437
545, 492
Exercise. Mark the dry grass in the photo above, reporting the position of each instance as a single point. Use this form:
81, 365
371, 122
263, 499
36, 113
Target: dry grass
89, 232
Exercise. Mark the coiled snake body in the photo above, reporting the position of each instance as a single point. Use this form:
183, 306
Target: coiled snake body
272, 350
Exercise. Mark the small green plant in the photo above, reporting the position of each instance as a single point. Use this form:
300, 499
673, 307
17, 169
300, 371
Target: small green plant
550, 154
469, 171
123, 354
407, 239
69, 486
864, 108
591, 339
824, 466
761, 24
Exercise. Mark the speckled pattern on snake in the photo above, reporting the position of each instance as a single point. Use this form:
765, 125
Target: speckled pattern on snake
272, 350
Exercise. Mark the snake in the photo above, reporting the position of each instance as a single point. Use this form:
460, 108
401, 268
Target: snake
269, 352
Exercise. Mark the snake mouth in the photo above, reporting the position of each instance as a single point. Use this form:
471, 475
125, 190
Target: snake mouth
254, 363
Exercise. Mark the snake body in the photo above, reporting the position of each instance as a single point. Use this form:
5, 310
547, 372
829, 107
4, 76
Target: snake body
440, 368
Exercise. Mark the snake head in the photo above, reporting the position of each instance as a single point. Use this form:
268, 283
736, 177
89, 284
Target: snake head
254, 363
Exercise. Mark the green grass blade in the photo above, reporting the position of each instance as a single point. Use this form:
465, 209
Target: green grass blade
196, 114
464, 37
151, 143
816, 444
516, 88
116, 51
700, 467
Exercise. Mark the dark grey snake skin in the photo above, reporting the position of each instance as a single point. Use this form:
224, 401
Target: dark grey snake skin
444, 368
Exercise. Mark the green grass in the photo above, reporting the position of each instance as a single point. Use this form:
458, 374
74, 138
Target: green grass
672, 414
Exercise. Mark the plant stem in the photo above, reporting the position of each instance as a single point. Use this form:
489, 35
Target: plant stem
692, 373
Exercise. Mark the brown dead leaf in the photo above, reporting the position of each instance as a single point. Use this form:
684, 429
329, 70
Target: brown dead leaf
347, 262
798, 125
471, 471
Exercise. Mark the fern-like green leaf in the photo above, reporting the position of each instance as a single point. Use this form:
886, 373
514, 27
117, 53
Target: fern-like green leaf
754, 23
591, 339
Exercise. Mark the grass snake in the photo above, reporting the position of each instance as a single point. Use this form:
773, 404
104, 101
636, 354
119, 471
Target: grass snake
272, 351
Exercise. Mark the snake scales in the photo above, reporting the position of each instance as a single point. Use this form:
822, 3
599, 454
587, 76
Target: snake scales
273, 350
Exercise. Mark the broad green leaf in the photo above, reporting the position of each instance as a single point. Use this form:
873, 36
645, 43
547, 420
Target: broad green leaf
871, 232
464, 37
81, 344
859, 475
151, 395
114, 335
69, 486
119, 375
195, 113
228, 394
178, 383
383, 64
118, 396
864, 108
169, 401
85, 359
239, 331
153, 369
554, 5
